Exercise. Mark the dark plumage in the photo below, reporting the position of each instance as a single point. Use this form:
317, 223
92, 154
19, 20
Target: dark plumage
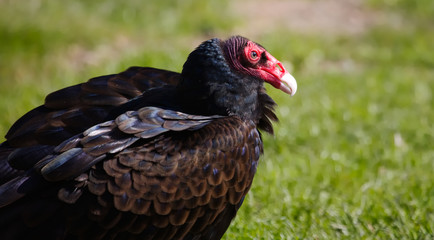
143, 154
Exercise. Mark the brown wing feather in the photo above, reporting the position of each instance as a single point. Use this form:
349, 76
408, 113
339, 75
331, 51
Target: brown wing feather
174, 185
72, 110
179, 184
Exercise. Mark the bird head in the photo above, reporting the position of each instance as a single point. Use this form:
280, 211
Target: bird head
251, 58
227, 78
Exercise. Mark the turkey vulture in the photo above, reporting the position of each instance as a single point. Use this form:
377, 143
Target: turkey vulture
143, 154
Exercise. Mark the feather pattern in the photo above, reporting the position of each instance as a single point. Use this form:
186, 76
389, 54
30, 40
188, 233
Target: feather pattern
143, 154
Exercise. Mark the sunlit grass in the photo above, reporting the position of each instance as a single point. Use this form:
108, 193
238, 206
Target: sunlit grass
353, 153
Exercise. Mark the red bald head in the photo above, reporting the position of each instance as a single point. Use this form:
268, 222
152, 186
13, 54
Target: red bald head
252, 59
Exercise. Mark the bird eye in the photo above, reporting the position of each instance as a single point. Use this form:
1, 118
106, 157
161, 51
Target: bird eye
254, 55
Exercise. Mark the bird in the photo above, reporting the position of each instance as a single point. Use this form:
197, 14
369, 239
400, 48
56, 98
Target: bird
145, 153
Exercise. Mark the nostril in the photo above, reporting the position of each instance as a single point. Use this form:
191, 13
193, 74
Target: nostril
280, 67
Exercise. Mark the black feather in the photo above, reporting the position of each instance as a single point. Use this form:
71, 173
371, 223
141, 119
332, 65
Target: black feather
143, 154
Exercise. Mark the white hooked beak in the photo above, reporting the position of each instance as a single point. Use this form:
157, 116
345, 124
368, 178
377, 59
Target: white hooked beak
290, 84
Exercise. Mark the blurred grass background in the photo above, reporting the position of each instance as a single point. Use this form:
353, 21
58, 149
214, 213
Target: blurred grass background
353, 154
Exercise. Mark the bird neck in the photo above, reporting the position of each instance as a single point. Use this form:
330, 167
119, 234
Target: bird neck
209, 86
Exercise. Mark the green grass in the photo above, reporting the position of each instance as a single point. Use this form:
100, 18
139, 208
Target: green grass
353, 154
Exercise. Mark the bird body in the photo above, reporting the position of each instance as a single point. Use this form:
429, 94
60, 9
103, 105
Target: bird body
144, 154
